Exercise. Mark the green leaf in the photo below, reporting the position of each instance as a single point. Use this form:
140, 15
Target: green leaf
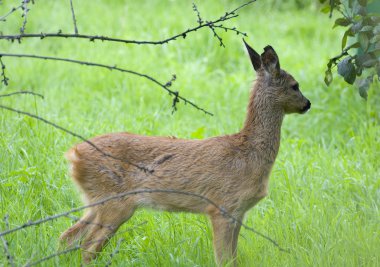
344, 39
347, 70
198, 134
367, 29
362, 2
375, 39
356, 27
370, 63
359, 10
363, 40
375, 18
363, 86
360, 59
326, 9
328, 77
359, 71
376, 30
341, 22
355, 45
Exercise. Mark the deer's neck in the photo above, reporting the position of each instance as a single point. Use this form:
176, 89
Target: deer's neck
262, 127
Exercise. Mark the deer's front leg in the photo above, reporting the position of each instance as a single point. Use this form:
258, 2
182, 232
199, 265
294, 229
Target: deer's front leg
226, 233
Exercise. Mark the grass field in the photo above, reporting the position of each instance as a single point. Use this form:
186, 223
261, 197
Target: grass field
324, 195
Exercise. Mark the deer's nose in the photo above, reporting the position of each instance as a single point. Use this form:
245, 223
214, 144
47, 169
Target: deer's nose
307, 106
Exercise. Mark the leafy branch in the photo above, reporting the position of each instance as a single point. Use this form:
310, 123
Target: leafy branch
363, 54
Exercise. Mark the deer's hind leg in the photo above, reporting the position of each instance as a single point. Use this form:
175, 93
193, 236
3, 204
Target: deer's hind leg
76, 232
109, 217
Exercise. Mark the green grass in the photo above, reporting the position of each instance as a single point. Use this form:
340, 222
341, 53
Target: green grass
324, 190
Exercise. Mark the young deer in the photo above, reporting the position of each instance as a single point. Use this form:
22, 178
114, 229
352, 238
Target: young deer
231, 170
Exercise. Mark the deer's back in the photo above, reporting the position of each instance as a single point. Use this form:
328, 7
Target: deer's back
215, 167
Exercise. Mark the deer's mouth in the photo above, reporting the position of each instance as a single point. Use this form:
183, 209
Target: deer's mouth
306, 107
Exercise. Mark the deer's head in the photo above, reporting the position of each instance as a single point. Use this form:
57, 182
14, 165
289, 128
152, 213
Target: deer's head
277, 86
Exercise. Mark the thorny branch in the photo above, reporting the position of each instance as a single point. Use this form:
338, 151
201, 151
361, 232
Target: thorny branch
201, 24
148, 191
109, 67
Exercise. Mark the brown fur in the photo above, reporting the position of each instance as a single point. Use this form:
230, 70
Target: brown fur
231, 170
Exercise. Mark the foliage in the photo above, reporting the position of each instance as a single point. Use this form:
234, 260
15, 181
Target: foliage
363, 54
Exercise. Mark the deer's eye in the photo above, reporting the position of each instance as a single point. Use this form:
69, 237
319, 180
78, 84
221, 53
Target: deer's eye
295, 87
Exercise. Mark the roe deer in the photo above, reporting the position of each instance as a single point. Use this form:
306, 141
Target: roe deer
231, 170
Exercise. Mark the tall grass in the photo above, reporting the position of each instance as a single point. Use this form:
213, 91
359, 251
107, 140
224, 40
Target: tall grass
324, 189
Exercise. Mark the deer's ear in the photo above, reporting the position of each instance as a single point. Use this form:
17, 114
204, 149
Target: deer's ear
270, 60
255, 57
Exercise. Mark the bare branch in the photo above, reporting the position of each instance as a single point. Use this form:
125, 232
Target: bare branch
217, 36
75, 219
74, 19
22, 93
109, 67
142, 168
4, 17
114, 252
195, 8
146, 191
227, 16
25, 10
6, 245
231, 29
4, 79
66, 251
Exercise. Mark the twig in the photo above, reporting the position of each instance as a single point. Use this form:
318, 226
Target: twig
25, 10
4, 17
75, 219
142, 191
142, 168
114, 252
22, 93
6, 245
66, 251
4, 79
217, 36
227, 16
109, 67
195, 8
343, 53
231, 29
74, 19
